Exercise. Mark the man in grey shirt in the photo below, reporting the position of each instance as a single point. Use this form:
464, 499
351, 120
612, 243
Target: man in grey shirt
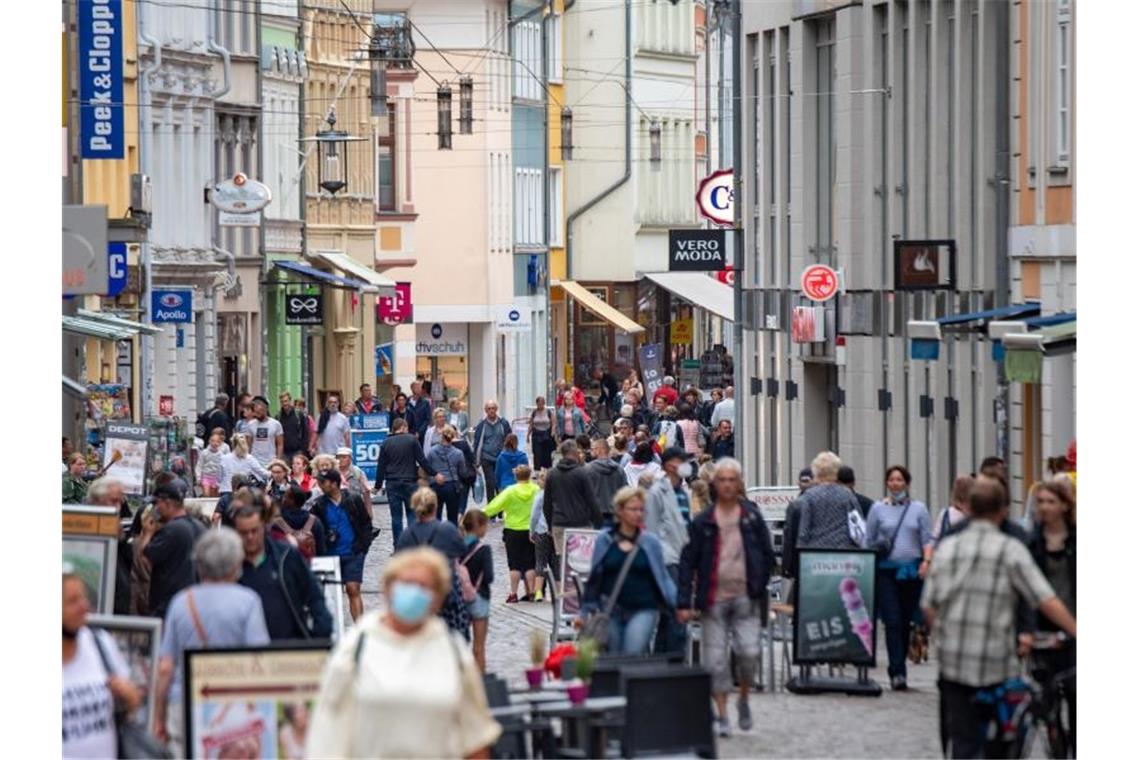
333, 428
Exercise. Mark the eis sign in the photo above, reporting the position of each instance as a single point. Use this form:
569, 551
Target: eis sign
172, 306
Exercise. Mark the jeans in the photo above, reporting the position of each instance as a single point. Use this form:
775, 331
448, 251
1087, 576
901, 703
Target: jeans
671, 635
965, 722
400, 503
491, 487
448, 495
735, 621
631, 632
897, 603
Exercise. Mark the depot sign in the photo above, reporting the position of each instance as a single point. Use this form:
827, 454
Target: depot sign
696, 250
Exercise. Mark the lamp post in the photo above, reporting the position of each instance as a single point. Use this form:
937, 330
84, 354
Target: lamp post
443, 103
332, 152
566, 122
655, 145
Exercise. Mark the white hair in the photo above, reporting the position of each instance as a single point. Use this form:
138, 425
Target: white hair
626, 410
218, 555
100, 487
669, 380
728, 463
825, 467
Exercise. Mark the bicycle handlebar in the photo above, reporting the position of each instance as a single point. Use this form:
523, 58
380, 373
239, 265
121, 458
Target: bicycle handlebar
1045, 640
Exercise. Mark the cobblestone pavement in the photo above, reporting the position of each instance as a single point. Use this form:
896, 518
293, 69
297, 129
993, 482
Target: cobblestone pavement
895, 725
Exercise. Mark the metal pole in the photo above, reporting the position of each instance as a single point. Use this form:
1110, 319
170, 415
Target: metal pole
739, 393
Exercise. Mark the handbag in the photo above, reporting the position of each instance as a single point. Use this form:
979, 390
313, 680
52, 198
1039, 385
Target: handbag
133, 740
883, 550
597, 625
856, 527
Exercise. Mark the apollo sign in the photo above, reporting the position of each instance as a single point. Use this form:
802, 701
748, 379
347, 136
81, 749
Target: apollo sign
172, 306
716, 198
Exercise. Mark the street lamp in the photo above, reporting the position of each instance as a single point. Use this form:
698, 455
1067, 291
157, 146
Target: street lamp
466, 95
332, 150
655, 145
443, 105
379, 80
567, 124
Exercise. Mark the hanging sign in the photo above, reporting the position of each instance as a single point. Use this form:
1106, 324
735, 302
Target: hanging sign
681, 331
230, 219
240, 195
925, 265
652, 370
696, 250
172, 306
396, 309
116, 268
512, 319
304, 309
100, 59
819, 282
715, 198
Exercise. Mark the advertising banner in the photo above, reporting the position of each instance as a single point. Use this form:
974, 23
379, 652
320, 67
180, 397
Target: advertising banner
575, 562
100, 59
835, 607
368, 432
124, 455
304, 309
250, 702
384, 363
652, 370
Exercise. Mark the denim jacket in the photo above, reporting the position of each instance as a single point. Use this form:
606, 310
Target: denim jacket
651, 545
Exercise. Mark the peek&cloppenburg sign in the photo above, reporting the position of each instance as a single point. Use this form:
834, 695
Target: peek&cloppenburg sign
100, 66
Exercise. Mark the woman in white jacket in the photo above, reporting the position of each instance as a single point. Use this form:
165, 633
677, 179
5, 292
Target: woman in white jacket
239, 462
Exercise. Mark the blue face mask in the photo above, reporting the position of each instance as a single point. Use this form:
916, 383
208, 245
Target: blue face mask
470, 540
410, 603
898, 495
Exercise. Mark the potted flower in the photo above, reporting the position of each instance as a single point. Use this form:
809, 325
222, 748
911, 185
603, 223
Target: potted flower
584, 669
537, 657
553, 663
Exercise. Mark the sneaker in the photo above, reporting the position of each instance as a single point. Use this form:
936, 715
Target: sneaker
512, 599
538, 596
723, 727
898, 683
743, 715
527, 598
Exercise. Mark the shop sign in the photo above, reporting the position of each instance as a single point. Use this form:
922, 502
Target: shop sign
696, 250
171, 306
715, 198
690, 373
240, 195
773, 501
116, 268
652, 370
441, 339
835, 608
84, 249
304, 309
100, 56
396, 309
512, 319
807, 324
681, 332
819, 282
925, 265
230, 219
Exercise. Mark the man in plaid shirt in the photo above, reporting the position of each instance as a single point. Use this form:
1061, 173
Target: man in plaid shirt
970, 597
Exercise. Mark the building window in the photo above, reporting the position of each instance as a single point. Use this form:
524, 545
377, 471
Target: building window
528, 206
1064, 83
555, 181
554, 49
386, 162
526, 47
825, 142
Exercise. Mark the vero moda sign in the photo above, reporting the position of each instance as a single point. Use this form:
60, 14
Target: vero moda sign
172, 306
696, 250
100, 65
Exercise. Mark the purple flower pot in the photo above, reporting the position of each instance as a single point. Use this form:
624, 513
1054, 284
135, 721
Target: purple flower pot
534, 677
578, 693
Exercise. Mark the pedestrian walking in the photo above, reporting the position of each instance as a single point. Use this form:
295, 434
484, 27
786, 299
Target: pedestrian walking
540, 435
400, 410
723, 574
606, 478
480, 566
569, 500
666, 507
456, 417
215, 417
210, 470
165, 545
490, 434
433, 434
400, 684
628, 579
332, 428
516, 502
419, 407
240, 462
400, 455
570, 423
266, 433
214, 613
693, 434
301, 528
846, 477
299, 474
294, 427
825, 506
278, 479
722, 443
96, 678
956, 512
723, 409
544, 555
353, 479
443, 536
278, 574
980, 568
448, 464
641, 463
367, 403
349, 534
74, 485
667, 391
509, 458
898, 528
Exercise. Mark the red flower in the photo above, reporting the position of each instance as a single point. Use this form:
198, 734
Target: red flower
553, 664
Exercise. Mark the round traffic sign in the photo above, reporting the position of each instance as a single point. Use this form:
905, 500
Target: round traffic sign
819, 282
727, 275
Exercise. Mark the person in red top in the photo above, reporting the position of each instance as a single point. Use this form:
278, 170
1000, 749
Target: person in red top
667, 391
579, 397
367, 403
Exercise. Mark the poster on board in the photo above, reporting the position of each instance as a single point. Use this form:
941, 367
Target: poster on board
138, 639
124, 455
835, 607
575, 561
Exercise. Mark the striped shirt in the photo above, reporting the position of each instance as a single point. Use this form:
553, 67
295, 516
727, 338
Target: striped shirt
972, 588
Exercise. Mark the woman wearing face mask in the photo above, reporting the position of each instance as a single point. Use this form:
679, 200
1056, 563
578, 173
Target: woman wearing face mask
481, 570
399, 684
901, 527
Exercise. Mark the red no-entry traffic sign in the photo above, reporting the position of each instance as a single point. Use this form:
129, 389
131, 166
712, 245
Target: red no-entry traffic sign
819, 282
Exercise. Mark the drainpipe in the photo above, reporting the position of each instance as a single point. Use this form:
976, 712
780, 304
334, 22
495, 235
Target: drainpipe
146, 341
1001, 207
219, 252
214, 47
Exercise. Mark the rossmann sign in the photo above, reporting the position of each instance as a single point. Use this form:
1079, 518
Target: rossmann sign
172, 306
696, 250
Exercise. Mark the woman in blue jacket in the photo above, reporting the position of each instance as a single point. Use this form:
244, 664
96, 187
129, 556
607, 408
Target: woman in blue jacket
647, 586
509, 458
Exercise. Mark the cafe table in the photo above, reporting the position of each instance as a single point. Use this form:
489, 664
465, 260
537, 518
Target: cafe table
577, 721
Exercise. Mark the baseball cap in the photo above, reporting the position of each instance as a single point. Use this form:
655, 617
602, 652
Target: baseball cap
344, 451
673, 452
175, 489
805, 474
328, 475
260, 400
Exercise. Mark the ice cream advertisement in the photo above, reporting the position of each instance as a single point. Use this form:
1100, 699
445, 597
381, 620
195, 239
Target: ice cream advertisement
835, 608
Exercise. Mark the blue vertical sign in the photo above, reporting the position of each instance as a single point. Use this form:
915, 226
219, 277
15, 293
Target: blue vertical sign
116, 268
100, 64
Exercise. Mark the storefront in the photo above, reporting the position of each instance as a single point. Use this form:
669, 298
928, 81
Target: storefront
442, 359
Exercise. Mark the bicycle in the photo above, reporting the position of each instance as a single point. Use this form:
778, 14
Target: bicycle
1050, 688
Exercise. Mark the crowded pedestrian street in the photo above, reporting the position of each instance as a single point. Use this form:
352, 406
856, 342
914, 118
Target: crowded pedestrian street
574, 379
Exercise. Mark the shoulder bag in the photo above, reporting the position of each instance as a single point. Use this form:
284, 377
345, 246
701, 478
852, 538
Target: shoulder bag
597, 625
883, 549
133, 740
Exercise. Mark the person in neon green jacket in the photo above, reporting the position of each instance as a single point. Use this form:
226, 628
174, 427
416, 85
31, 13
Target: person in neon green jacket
516, 502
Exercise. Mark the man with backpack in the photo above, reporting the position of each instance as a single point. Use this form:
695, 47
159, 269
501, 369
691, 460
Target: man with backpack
348, 534
217, 417
294, 426
297, 526
291, 598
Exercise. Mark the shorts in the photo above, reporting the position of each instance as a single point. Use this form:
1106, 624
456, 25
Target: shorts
352, 568
209, 481
520, 551
479, 608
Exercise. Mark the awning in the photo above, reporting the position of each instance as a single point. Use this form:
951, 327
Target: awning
698, 289
1050, 320
74, 388
114, 321
1059, 339
96, 329
326, 277
1013, 311
353, 268
590, 301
